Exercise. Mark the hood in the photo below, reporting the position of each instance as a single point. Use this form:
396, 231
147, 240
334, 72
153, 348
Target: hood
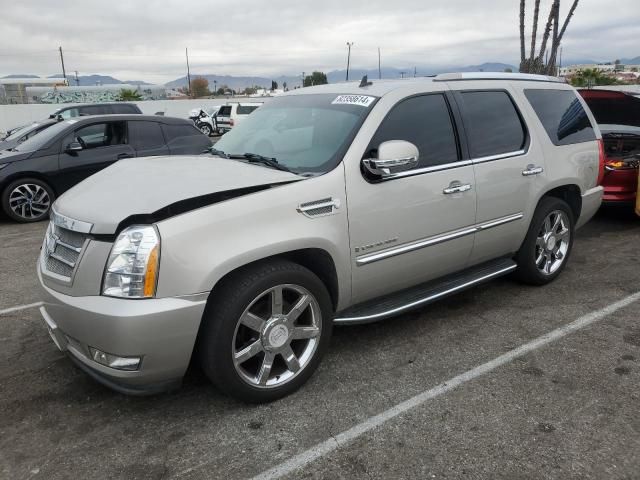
149, 189
7, 156
611, 107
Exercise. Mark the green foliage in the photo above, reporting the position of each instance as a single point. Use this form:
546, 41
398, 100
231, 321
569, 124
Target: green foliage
128, 95
316, 78
591, 77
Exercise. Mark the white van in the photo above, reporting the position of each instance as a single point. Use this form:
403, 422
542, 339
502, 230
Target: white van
231, 114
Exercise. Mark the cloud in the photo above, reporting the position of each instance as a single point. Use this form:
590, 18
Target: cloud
146, 40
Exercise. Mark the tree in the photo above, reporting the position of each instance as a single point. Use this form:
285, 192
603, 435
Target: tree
250, 91
284, 86
274, 85
592, 77
316, 78
222, 90
129, 95
508, 70
199, 87
536, 62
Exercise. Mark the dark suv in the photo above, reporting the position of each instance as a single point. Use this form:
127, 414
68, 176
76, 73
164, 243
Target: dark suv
66, 113
38, 170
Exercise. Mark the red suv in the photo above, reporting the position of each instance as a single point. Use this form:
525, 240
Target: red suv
618, 116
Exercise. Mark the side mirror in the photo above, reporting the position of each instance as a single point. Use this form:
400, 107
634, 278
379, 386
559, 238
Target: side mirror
394, 156
73, 147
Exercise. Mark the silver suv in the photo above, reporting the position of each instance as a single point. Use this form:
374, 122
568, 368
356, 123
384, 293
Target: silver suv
337, 204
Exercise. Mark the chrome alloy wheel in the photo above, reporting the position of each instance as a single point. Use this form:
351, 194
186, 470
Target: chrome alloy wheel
276, 336
552, 242
29, 201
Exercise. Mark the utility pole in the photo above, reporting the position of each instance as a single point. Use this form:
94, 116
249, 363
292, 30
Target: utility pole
64, 72
402, 74
302, 79
215, 87
77, 79
349, 45
379, 67
415, 71
186, 52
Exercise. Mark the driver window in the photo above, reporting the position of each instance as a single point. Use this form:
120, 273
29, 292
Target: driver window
424, 121
101, 135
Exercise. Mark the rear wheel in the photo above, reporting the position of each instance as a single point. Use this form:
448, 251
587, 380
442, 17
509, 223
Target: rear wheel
546, 248
27, 200
265, 331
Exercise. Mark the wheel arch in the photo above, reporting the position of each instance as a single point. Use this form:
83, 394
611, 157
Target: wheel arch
571, 194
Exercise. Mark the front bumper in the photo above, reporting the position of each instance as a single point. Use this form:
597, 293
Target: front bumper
591, 201
162, 331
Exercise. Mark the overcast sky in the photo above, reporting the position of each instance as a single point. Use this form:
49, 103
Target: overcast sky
146, 40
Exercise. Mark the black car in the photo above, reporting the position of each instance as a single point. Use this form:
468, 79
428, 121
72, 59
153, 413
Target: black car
25, 133
65, 113
38, 170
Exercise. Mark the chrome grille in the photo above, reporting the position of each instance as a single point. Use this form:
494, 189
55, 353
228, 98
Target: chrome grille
61, 250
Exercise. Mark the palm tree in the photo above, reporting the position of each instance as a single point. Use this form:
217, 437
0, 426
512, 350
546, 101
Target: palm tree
535, 63
129, 95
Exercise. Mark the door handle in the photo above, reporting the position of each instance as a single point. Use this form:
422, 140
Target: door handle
124, 155
457, 188
532, 170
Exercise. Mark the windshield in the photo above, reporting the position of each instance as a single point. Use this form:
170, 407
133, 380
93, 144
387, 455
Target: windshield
21, 131
304, 133
43, 138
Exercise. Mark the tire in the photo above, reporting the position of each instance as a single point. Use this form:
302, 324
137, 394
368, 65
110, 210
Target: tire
27, 200
206, 129
263, 342
547, 246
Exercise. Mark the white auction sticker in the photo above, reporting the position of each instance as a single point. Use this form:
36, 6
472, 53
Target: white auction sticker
362, 100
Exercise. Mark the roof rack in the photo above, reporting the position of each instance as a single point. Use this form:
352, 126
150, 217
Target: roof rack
451, 77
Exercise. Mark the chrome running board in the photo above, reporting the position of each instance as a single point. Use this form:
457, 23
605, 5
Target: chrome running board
415, 297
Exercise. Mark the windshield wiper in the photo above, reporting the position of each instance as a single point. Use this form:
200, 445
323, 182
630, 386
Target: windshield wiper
220, 153
263, 160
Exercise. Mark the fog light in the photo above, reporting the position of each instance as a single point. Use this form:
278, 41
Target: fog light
113, 361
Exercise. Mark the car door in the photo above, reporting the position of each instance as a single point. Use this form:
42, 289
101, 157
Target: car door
147, 139
103, 143
507, 165
416, 225
185, 139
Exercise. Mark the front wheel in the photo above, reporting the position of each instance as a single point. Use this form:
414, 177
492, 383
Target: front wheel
205, 128
265, 331
27, 200
546, 248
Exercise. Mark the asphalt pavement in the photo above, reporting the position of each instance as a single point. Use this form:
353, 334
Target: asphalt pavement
437, 393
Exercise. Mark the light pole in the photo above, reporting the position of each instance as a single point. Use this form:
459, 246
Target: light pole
349, 45
215, 88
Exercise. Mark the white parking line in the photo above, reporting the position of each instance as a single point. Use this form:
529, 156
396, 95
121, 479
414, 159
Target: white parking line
324, 448
20, 307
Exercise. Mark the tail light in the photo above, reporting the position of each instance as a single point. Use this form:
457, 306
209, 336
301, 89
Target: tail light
601, 164
232, 122
630, 163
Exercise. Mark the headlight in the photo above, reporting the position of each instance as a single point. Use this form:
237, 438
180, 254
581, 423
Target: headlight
132, 268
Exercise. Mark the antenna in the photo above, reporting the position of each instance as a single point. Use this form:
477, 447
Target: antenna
365, 82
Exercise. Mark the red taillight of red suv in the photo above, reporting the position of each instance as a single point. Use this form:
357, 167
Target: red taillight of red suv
601, 162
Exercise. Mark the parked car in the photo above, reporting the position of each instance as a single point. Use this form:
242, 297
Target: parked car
25, 133
370, 201
41, 168
618, 116
118, 108
65, 113
205, 119
232, 114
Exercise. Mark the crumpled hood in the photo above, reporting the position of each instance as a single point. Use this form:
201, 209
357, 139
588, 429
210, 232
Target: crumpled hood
142, 186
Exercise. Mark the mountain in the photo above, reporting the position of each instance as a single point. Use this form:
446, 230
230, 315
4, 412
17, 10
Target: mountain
89, 80
630, 61
18, 75
236, 83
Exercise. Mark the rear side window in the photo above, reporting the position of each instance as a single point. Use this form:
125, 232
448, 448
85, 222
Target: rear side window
562, 116
125, 109
94, 110
145, 135
225, 111
179, 131
493, 124
424, 121
246, 109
